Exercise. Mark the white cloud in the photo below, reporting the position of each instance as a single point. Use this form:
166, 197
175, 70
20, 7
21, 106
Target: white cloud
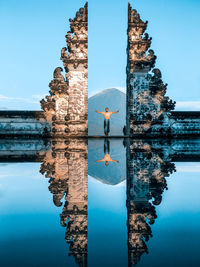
7, 102
192, 167
3, 97
35, 99
188, 105
39, 97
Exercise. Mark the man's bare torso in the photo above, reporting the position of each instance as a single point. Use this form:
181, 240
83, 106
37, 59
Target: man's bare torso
107, 115
107, 159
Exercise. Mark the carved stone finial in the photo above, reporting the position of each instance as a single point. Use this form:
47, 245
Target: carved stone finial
57, 74
66, 109
146, 100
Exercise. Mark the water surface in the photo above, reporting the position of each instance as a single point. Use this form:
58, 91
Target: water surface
60, 208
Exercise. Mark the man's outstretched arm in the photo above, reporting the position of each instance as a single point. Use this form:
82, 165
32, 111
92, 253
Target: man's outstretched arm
116, 111
99, 161
98, 111
115, 160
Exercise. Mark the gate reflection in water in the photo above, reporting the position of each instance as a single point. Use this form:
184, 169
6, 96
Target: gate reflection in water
140, 205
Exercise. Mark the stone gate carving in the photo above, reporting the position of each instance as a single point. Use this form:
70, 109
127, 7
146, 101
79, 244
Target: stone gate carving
66, 166
147, 105
66, 108
147, 169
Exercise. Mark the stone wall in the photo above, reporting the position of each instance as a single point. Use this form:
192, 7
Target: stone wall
184, 123
35, 150
66, 109
23, 124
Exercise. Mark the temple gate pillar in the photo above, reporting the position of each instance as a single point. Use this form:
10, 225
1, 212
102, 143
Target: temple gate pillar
147, 105
66, 108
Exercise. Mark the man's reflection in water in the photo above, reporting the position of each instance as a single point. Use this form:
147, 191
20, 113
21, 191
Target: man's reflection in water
106, 157
66, 164
146, 172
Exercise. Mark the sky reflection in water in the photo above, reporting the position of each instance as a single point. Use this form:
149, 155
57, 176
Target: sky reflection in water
30, 223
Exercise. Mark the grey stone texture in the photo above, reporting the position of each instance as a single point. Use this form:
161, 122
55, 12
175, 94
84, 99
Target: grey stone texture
66, 109
147, 105
66, 166
148, 166
23, 124
64, 163
149, 112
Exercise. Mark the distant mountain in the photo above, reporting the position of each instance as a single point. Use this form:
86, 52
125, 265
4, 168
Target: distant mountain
112, 174
114, 99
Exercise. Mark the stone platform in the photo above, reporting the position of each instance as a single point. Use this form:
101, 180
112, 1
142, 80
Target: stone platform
35, 150
23, 124
32, 124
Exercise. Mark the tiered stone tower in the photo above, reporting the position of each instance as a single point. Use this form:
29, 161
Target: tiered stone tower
66, 164
147, 170
147, 105
66, 109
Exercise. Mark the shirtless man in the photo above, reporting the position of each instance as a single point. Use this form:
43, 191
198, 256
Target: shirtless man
107, 157
107, 115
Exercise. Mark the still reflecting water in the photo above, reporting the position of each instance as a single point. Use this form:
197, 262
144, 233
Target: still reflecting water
100, 202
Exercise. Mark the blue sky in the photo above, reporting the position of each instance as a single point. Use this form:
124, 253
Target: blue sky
33, 33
